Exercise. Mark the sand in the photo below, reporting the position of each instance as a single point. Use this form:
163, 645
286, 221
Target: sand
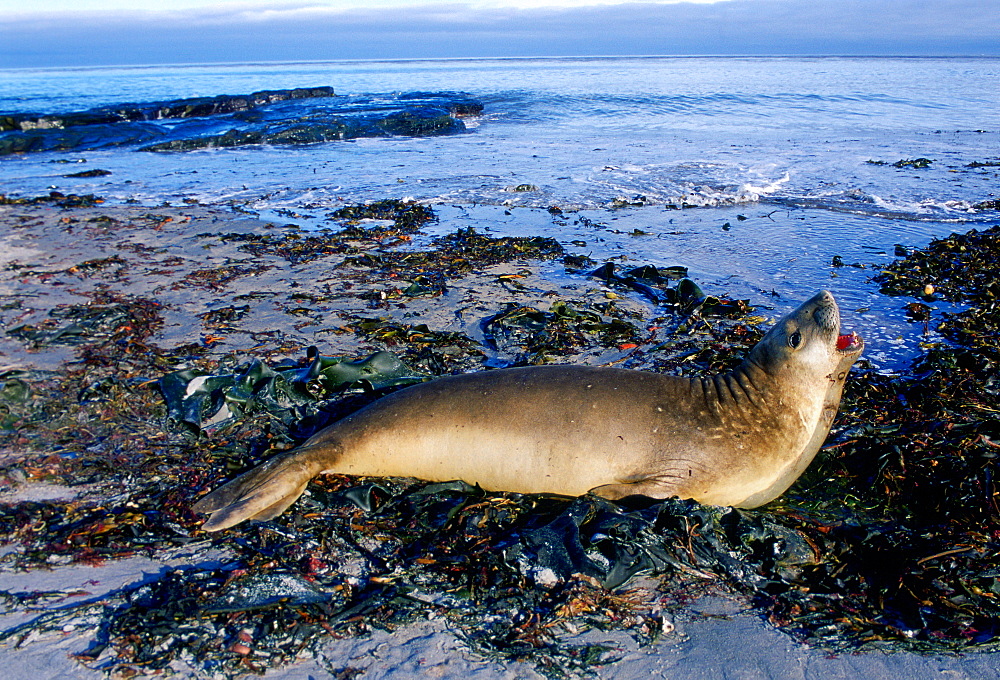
714, 638
159, 254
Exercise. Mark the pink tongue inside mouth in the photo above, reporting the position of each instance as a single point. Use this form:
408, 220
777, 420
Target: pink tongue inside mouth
845, 341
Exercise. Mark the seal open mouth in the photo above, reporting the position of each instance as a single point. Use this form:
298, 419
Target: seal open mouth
849, 343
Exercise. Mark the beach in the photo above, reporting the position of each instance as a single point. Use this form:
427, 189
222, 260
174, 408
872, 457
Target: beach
186, 260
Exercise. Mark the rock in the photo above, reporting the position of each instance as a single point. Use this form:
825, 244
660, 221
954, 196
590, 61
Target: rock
267, 117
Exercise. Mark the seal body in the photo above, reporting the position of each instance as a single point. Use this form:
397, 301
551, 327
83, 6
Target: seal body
739, 438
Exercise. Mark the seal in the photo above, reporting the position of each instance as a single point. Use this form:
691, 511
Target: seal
739, 438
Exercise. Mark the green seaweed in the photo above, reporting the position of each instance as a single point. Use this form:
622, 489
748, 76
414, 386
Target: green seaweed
197, 399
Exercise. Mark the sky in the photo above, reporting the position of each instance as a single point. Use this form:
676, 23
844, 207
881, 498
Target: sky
68, 33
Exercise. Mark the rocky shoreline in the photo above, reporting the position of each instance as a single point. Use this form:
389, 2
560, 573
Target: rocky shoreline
285, 117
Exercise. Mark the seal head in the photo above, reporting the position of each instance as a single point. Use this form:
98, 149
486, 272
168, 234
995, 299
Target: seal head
794, 352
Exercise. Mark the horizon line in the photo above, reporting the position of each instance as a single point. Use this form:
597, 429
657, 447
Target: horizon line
776, 55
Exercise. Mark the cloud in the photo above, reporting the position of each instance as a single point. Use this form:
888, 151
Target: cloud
317, 31
11, 7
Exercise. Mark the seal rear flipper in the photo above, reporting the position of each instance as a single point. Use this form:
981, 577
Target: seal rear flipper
261, 493
274, 510
245, 509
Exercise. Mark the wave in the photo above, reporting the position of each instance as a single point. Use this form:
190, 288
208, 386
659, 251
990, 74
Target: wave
664, 109
859, 202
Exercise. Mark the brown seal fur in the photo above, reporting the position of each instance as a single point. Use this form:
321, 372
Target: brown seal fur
739, 438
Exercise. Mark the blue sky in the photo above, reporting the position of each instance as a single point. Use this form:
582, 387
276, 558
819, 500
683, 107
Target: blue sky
110, 32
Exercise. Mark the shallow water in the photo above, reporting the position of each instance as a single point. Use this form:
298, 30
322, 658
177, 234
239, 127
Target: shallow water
784, 142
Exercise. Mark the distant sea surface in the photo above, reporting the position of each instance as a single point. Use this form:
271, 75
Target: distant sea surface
753, 172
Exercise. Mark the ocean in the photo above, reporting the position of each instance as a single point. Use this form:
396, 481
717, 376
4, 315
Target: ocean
755, 173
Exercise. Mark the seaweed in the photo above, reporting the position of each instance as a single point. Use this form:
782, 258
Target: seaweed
686, 296
451, 256
451, 550
280, 597
946, 264
197, 399
217, 277
889, 541
96, 172
915, 468
291, 246
918, 163
407, 217
84, 324
431, 351
534, 336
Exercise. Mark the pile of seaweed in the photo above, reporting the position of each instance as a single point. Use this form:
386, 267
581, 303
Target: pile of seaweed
362, 555
406, 219
890, 541
909, 493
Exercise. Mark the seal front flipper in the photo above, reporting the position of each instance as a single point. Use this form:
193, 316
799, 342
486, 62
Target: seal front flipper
659, 486
261, 493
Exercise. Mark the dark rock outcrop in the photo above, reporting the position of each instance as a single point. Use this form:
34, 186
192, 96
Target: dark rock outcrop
195, 107
286, 117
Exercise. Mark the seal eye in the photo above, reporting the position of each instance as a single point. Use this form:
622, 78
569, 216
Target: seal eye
794, 340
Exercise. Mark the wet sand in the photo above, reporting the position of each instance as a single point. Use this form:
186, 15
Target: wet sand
178, 256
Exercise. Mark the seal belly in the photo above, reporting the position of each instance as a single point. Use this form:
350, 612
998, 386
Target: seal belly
510, 460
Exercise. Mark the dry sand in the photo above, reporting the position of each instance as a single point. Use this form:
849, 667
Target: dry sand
157, 251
